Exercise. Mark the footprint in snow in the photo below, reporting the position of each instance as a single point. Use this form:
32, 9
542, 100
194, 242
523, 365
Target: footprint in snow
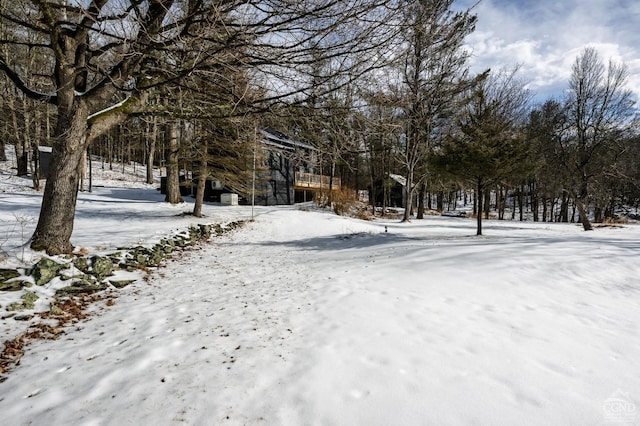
34, 393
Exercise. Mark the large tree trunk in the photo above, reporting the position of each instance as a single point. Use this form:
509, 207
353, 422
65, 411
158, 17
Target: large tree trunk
202, 180
582, 211
203, 174
197, 207
173, 170
55, 224
581, 201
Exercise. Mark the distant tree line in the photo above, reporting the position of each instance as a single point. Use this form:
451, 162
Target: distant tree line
379, 88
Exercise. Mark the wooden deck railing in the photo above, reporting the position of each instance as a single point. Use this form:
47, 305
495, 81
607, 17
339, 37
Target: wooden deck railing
309, 180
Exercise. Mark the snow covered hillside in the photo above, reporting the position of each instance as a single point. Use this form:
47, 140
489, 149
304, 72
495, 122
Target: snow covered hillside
309, 318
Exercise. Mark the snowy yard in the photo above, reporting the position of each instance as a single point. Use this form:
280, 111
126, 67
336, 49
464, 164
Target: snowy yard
306, 318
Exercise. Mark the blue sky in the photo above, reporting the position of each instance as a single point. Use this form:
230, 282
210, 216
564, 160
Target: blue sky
546, 36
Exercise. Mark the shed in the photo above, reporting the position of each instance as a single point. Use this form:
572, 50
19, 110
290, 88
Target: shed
44, 155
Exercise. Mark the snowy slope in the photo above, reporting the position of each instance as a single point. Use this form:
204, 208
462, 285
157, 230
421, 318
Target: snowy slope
305, 318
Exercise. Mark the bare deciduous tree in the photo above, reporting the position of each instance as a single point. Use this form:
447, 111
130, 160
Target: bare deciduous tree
599, 109
103, 57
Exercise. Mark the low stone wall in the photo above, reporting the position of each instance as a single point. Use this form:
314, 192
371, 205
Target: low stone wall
86, 280
91, 274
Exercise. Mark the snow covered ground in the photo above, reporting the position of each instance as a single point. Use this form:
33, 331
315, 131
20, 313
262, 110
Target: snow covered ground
121, 211
306, 318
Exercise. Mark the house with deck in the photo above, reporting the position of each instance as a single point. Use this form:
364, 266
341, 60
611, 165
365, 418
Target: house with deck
286, 173
290, 173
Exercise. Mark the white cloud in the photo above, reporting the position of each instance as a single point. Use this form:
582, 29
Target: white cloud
545, 37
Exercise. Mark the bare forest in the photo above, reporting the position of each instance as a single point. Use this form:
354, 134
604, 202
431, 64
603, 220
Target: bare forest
380, 91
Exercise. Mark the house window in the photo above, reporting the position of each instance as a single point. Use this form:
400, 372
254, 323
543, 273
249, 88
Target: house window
275, 161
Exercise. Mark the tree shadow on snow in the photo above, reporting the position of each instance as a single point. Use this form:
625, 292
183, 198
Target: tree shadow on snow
591, 246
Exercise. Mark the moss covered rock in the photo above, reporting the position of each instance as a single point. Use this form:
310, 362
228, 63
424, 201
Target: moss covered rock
81, 287
9, 281
45, 270
14, 285
205, 231
81, 263
8, 274
121, 283
101, 267
28, 302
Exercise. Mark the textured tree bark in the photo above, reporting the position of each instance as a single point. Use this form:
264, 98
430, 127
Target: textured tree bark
173, 170
55, 224
203, 174
202, 180
582, 211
